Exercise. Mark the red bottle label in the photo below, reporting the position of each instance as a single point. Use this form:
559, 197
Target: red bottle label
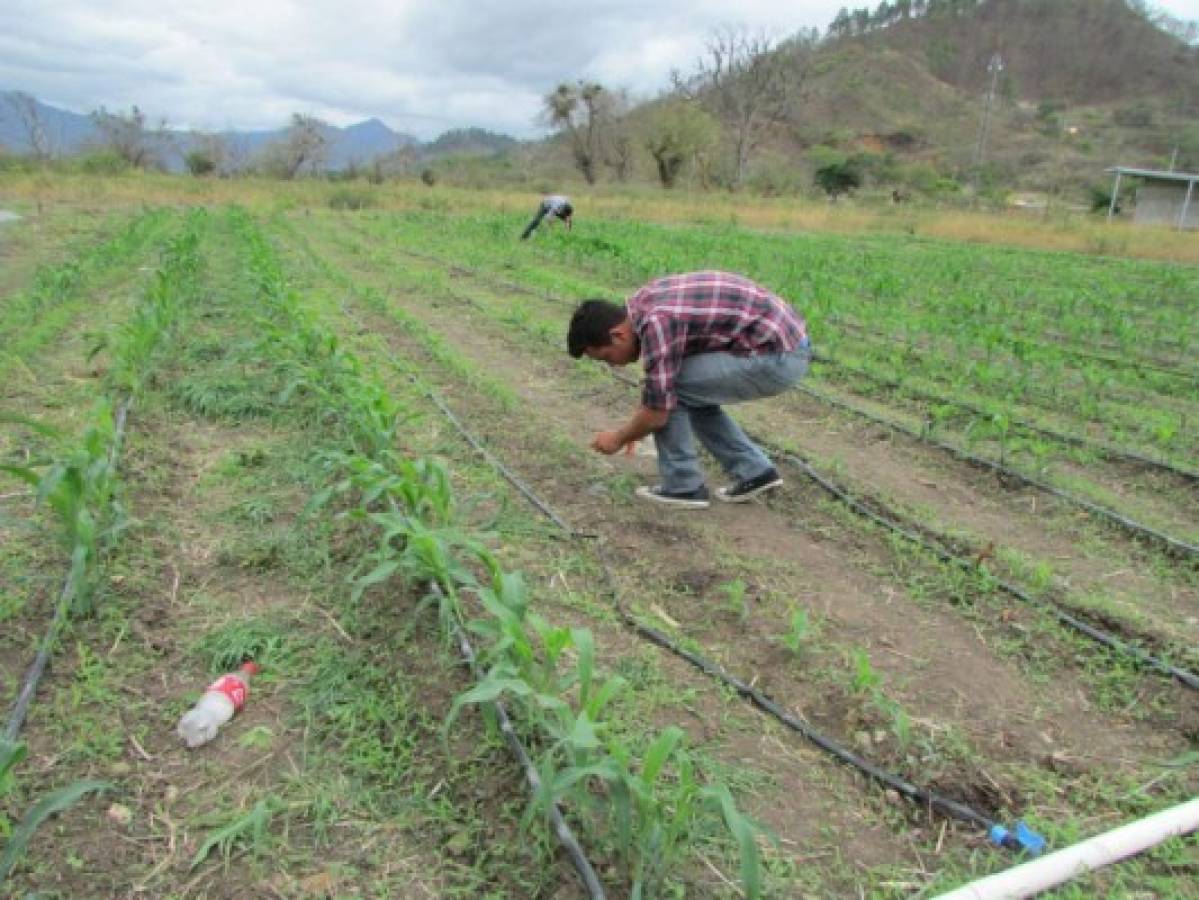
233, 688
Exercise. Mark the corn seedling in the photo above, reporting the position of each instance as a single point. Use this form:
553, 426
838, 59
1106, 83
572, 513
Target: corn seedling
735, 595
797, 637
17, 837
547, 671
865, 678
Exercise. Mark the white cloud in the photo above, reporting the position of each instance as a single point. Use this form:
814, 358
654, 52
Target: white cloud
420, 65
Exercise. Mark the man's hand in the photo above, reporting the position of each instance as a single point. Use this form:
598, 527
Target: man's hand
607, 442
645, 421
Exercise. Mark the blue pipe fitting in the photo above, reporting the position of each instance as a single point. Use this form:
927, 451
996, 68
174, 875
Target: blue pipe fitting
1023, 839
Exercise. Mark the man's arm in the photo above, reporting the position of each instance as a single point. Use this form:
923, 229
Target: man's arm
644, 421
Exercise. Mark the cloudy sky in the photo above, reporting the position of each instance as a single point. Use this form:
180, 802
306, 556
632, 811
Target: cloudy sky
422, 66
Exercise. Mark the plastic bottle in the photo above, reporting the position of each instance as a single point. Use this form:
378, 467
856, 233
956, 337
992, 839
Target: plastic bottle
221, 700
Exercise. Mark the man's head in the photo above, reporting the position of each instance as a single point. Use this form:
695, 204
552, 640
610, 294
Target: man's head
601, 330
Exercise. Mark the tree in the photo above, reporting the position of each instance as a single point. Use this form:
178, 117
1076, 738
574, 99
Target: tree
616, 135
127, 135
199, 163
305, 145
836, 174
399, 162
744, 83
28, 113
840, 26
209, 154
583, 112
677, 132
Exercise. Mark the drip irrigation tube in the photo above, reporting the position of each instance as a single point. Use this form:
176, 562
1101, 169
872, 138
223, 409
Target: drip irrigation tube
497, 465
37, 668
1182, 675
1106, 450
566, 837
1096, 634
1187, 678
946, 806
1020, 838
1172, 544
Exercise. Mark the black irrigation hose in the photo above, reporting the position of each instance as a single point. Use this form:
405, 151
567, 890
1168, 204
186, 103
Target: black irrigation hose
1105, 450
562, 831
1172, 544
1096, 634
566, 838
497, 465
946, 806
37, 668
1071, 621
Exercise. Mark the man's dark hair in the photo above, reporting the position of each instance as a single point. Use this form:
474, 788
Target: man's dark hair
591, 323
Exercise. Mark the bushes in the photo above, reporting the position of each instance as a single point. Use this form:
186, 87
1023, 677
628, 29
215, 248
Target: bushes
200, 163
103, 162
351, 198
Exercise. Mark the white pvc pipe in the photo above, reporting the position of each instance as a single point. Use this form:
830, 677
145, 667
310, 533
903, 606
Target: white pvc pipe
1093, 853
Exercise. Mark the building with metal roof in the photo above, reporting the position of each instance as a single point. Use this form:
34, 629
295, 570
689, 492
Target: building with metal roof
1163, 198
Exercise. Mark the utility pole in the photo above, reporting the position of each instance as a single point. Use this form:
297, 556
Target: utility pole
995, 66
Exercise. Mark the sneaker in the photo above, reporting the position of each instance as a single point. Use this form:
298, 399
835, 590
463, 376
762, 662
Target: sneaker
750, 487
696, 499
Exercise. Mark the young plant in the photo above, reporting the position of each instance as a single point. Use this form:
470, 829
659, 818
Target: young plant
797, 637
17, 838
249, 829
735, 595
865, 678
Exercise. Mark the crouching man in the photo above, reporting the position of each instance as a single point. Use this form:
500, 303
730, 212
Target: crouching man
705, 339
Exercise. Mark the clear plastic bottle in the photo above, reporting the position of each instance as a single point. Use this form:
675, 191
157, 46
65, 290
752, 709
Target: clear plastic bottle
221, 700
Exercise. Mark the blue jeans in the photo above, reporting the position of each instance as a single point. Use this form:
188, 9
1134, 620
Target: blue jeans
704, 382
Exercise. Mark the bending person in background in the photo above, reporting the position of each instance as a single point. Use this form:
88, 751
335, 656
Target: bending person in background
554, 205
705, 339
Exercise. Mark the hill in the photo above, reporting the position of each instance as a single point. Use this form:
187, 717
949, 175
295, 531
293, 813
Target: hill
1082, 52
1084, 84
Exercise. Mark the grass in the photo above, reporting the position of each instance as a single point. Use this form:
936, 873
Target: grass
1081, 234
341, 745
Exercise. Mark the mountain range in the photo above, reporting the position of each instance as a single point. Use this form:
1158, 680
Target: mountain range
67, 133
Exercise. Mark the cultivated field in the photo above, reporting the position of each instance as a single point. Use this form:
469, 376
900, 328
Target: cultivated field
340, 440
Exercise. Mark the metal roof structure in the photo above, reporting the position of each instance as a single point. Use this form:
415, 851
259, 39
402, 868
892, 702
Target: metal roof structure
1154, 175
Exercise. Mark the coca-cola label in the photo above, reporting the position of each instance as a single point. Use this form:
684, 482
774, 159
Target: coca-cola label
233, 688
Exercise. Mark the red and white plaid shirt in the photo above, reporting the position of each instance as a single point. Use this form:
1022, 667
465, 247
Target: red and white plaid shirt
705, 312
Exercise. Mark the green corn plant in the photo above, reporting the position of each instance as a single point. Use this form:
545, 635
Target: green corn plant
797, 637
654, 816
865, 678
547, 672
898, 719
18, 836
78, 486
735, 596
12, 753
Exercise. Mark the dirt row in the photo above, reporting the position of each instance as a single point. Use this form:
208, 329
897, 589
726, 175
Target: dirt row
938, 665
808, 798
1091, 565
361, 794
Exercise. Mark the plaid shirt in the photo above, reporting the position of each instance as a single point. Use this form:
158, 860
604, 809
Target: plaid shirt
704, 312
